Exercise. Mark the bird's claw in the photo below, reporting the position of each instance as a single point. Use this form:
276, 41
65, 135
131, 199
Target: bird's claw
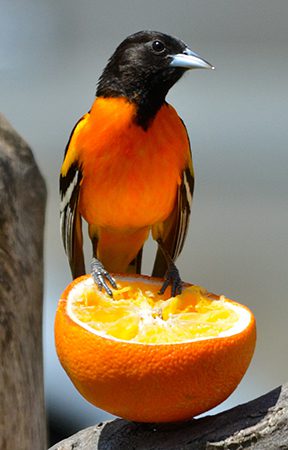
172, 277
100, 275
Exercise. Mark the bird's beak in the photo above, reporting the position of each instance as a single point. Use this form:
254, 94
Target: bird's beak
189, 60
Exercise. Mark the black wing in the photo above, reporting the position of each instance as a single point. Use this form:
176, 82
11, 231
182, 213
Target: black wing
70, 219
175, 227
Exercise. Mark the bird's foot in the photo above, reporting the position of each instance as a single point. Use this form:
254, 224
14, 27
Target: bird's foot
100, 275
172, 277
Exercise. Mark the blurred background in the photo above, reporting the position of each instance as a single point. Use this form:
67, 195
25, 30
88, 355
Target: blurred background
51, 55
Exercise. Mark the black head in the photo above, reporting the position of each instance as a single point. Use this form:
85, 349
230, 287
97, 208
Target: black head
144, 67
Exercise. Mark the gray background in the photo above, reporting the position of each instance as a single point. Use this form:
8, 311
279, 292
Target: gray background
51, 55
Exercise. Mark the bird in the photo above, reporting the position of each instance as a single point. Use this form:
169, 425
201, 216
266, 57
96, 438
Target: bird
127, 168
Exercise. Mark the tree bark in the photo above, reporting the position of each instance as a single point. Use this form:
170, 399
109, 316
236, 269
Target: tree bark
22, 208
261, 424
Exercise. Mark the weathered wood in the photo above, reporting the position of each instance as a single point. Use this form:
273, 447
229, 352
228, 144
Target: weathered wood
22, 207
261, 424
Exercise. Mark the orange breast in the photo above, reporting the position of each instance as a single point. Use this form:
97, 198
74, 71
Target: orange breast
130, 176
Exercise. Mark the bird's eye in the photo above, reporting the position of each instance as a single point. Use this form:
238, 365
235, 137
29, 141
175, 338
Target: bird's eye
158, 46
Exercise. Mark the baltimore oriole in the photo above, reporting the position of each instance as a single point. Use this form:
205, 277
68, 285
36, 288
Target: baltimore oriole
127, 168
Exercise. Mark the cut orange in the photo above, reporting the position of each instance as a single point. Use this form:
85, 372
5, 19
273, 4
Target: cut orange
151, 358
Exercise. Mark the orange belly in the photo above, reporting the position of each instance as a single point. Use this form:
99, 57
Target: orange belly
131, 176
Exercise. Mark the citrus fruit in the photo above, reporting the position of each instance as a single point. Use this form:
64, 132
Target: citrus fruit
150, 358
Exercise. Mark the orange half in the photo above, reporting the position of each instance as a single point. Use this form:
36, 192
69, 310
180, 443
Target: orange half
151, 358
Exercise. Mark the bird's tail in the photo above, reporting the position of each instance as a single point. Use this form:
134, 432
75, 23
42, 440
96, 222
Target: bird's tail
160, 264
135, 265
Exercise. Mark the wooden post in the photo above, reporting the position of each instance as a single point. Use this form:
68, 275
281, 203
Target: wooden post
22, 208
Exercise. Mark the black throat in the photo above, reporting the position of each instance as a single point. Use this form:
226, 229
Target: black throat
148, 104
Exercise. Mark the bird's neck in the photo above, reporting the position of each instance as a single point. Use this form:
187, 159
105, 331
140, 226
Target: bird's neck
147, 106
147, 96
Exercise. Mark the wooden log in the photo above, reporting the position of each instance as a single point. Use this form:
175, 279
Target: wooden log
261, 424
22, 208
